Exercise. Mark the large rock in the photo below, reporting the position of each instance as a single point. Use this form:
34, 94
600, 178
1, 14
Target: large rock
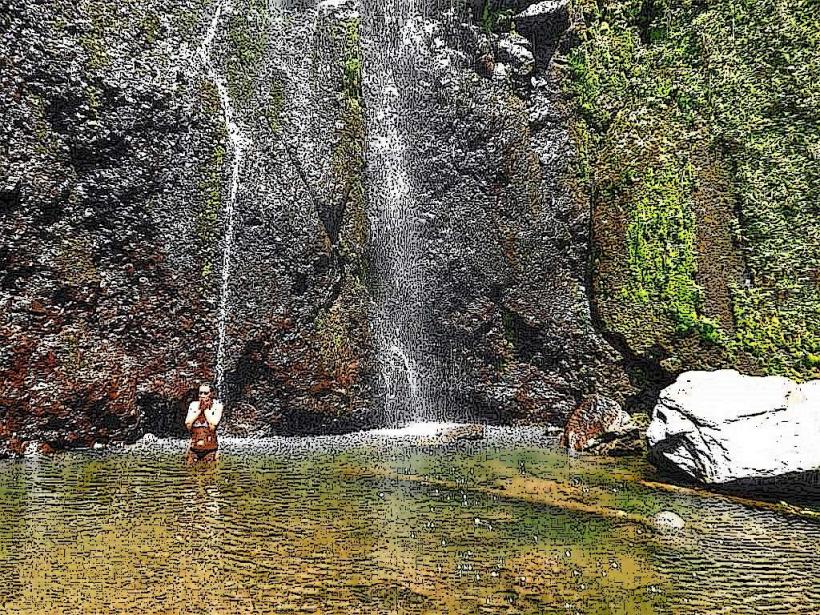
543, 23
599, 425
722, 426
552, 15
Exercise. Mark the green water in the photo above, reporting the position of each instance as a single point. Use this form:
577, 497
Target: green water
345, 526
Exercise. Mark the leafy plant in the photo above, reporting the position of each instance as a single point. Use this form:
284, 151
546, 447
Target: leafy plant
493, 17
659, 85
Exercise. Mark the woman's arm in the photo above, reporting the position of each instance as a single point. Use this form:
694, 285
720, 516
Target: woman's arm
214, 414
193, 412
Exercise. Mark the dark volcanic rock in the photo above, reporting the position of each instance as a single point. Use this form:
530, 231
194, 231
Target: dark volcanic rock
98, 304
115, 172
115, 176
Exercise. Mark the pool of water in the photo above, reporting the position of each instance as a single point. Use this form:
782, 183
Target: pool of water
373, 524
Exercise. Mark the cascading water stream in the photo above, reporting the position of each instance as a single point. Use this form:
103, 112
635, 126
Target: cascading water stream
395, 235
238, 143
396, 35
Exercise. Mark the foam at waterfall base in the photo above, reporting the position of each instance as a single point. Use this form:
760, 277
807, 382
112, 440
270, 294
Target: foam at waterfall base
415, 430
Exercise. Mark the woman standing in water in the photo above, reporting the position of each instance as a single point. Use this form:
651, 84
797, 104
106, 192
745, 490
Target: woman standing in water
203, 417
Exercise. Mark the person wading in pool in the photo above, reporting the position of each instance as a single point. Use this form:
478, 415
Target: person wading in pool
203, 417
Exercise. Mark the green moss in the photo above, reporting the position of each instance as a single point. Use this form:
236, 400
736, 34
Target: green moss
96, 53
787, 343
351, 244
150, 26
209, 99
332, 333
207, 218
348, 157
657, 83
190, 16
247, 44
93, 99
275, 104
661, 249
353, 64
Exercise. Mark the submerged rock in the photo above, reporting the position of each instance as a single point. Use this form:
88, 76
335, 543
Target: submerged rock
722, 426
599, 425
667, 520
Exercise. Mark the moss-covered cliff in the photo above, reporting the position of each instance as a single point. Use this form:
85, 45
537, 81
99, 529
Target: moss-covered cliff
698, 123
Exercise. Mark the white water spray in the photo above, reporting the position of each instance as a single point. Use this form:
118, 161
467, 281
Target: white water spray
395, 227
398, 37
238, 142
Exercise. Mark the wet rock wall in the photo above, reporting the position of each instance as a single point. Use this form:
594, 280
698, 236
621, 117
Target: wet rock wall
115, 165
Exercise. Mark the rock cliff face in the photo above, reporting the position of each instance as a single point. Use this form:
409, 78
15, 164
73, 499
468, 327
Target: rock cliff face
117, 208
117, 171
193, 180
695, 124
106, 139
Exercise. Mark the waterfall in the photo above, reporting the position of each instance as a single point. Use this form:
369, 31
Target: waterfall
394, 35
238, 143
395, 46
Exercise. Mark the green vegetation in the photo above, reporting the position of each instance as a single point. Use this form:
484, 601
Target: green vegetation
150, 28
665, 92
333, 335
353, 65
661, 249
252, 87
493, 17
94, 40
133, 21
273, 109
247, 44
348, 157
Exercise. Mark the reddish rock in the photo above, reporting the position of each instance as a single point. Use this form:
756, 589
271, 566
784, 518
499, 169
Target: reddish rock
45, 448
599, 425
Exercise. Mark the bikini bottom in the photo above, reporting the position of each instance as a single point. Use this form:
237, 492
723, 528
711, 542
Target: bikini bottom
197, 456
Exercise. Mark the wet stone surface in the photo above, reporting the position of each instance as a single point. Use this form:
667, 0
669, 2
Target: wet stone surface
117, 165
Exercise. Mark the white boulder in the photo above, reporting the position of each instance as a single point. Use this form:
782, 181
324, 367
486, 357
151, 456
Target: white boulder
541, 12
722, 426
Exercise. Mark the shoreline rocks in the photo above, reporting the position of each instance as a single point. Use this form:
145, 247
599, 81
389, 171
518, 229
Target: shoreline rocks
726, 428
600, 426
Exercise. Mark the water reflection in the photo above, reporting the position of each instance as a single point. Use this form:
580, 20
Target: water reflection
364, 528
